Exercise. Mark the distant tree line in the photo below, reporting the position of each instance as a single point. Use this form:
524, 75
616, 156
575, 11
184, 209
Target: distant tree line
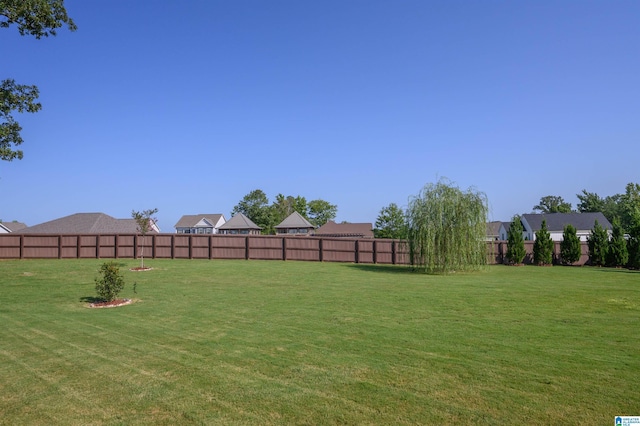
621, 210
255, 205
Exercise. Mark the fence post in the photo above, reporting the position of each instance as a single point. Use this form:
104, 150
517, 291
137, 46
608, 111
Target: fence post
135, 246
320, 255
210, 247
393, 252
153, 246
246, 248
173, 246
190, 246
98, 246
284, 248
375, 251
59, 246
115, 246
357, 251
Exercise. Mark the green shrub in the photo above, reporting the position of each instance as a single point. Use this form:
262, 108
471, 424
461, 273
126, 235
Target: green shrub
543, 246
515, 242
598, 243
570, 250
111, 283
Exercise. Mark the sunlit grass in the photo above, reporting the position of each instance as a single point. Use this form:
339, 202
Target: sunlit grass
250, 342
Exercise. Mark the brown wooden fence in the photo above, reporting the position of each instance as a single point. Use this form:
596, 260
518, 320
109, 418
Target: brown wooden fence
193, 246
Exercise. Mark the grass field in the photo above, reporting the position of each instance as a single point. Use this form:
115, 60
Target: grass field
251, 342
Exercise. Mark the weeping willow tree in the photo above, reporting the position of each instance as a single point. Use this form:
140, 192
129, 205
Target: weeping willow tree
447, 229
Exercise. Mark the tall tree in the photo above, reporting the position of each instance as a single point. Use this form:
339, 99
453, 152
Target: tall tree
617, 254
598, 243
390, 223
255, 205
590, 202
515, 242
630, 207
543, 246
321, 211
553, 204
446, 228
570, 250
39, 18
283, 206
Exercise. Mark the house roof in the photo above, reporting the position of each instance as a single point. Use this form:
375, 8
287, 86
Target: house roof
85, 223
13, 226
357, 230
191, 220
239, 221
493, 228
294, 220
557, 221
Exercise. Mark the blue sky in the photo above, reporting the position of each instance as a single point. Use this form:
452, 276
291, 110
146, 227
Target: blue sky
187, 106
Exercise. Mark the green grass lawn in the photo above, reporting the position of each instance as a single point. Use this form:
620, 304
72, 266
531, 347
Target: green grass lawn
269, 342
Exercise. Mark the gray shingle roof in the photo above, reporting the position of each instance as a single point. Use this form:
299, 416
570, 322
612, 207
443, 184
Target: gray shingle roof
557, 221
356, 230
13, 226
84, 223
239, 221
191, 220
294, 220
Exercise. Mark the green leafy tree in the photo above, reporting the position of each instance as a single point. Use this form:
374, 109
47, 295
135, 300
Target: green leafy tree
630, 207
321, 211
390, 223
39, 18
590, 202
634, 241
255, 205
553, 204
570, 250
617, 254
515, 242
283, 206
144, 221
598, 243
110, 283
543, 246
446, 228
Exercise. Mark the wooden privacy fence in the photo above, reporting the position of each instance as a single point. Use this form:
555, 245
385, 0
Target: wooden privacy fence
193, 246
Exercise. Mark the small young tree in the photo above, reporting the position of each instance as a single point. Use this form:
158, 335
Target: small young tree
617, 254
570, 250
111, 283
598, 243
515, 242
543, 246
145, 222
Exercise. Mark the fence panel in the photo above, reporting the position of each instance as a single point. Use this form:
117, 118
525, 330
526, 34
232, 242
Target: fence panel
10, 246
303, 248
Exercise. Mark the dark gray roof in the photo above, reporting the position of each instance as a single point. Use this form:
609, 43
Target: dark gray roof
84, 223
13, 226
239, 221
557, 221
294, 220
355, 230
191, 220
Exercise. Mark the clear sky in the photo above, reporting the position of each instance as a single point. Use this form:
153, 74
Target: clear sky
187, 106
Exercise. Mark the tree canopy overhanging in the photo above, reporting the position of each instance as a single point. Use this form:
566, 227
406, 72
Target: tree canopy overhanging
39, 18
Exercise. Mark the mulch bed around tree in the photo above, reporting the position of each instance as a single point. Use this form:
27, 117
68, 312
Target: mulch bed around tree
111, 304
